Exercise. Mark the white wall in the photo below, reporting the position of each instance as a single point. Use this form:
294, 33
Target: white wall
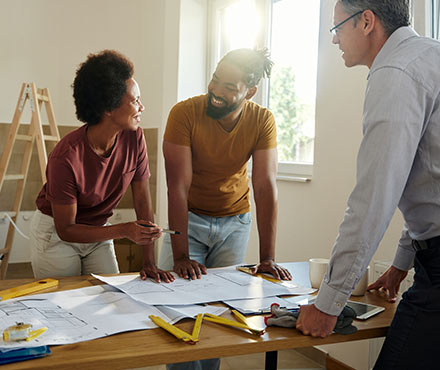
45, 40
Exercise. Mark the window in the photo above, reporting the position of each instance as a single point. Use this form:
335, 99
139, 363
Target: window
434, 6
289, 28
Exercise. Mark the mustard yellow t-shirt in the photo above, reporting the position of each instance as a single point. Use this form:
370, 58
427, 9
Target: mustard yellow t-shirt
219, 182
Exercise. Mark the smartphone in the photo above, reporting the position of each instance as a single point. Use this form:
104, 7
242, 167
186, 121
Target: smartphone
363, 310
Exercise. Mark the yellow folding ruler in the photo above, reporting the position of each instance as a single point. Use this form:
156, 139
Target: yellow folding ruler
242, 324
179, 333
27, 288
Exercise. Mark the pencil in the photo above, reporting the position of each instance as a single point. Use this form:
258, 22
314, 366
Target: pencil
168, 231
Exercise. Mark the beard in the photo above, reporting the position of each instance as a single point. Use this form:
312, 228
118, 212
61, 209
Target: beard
219, 113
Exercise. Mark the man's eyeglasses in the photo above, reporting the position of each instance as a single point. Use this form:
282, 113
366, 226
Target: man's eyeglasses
334, 29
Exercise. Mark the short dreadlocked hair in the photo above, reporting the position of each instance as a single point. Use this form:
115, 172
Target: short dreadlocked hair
254, 63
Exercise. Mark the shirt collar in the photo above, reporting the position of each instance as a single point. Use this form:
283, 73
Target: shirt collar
398, 36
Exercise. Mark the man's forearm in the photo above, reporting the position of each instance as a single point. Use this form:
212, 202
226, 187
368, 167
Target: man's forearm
178, 220
266, 206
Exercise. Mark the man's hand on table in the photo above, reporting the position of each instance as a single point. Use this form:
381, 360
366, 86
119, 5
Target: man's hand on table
272, 268
390, 282
153, 272
187, 268
314, 322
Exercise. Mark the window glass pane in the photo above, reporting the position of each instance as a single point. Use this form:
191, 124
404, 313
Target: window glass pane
435, 19
292, 91
239, 26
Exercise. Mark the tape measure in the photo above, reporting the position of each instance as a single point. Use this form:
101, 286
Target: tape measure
21, 331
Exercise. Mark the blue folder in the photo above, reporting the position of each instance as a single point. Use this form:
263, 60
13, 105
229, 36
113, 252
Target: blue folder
23, 354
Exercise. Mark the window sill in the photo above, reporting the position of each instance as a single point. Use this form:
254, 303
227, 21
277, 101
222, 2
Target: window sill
293, 178
297, 172
290, 171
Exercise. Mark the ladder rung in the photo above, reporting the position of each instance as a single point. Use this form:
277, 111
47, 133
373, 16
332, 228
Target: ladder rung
42, 97
24, 137
11, 214
14, 177
50, 138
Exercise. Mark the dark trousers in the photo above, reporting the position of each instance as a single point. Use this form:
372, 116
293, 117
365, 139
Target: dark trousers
413, 340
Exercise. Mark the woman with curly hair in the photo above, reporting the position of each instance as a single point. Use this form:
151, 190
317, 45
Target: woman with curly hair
87, 174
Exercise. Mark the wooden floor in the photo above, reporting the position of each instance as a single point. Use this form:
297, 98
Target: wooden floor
289, 359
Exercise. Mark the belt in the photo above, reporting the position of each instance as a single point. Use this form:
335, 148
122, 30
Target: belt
419, 245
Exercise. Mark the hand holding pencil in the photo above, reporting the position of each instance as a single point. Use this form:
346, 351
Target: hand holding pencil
162, 230
140, 234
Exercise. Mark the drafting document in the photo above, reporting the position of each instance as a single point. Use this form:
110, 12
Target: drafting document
259, 305
219, 284
78, 315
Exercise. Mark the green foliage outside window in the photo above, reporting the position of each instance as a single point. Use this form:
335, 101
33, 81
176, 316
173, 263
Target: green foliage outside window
290, 115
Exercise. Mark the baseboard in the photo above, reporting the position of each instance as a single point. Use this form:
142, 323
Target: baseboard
315, 354
333, 364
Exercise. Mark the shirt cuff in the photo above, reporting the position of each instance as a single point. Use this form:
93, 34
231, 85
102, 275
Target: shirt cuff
330, 300
404, 259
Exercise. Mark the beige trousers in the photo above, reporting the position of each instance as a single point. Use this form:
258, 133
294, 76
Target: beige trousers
52, 257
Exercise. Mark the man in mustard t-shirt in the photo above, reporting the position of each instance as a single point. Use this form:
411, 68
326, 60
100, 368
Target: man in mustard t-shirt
207, 144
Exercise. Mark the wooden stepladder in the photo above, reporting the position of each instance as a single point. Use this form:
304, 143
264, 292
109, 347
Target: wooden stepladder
36, 98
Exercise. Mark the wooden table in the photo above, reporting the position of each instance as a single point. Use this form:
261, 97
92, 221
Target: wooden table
154, 347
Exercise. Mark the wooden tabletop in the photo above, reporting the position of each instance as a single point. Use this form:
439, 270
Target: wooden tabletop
155, 346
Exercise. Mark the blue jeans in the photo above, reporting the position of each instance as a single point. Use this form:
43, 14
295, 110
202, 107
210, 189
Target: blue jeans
213, 242
412, 340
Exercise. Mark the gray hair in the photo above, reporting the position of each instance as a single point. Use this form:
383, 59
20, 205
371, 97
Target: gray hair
391, 13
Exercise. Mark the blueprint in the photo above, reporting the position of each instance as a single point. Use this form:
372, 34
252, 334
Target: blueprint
83, 314
219, 284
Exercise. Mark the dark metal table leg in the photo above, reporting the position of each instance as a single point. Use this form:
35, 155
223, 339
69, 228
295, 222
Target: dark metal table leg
271, 360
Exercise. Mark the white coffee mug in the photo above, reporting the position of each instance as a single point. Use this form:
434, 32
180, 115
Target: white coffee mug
362, 285
317, 270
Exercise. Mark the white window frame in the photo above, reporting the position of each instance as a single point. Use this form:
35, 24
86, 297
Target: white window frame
287, 171
431, 19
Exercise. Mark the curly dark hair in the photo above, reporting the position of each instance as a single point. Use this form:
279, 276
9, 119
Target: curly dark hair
254, 63
100, 84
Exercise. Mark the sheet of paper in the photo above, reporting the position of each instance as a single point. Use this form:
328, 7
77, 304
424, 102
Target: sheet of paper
218, 285
177, 313
83, 314
259, 305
